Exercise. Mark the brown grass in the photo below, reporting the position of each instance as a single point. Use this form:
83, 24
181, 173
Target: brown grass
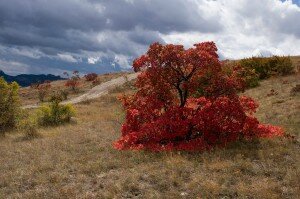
30, 96
78, 161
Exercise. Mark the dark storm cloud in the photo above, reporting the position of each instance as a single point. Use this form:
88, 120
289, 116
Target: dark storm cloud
159, 15
57, 35
71, 25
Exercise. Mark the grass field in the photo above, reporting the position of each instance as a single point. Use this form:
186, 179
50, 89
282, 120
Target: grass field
78, 161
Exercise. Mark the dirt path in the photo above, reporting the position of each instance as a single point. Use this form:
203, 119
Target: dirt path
96, 91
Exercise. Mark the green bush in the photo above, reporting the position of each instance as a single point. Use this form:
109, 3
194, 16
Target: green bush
283, 65
9, 105
259, 64
249, 76
55, 114
266, 67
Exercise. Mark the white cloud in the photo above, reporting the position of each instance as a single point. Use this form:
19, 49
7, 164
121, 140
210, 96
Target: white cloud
28, 52
67, 58
123, 61
250, 27
22, 51
266, 52
93, 60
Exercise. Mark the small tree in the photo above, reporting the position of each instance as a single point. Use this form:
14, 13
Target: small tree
185, 101
73, 81
9, 105
43, 90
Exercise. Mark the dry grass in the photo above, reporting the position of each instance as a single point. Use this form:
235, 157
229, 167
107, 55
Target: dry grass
30, 96
277, 105
296, 62
78, 161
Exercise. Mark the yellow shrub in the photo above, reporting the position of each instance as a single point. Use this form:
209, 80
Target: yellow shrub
55, 114
9, 105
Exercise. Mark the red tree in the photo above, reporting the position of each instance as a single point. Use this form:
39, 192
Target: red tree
185, 102
73, 81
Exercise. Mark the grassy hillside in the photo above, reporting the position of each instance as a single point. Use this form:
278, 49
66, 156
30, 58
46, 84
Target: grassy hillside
296, 62
30, 96
78, 161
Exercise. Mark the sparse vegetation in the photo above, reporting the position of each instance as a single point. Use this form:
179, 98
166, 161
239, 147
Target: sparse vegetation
91, 77
73, 81
295, 90
43, 90
9, 105
96, 82
29, 127
30, 96
63, 93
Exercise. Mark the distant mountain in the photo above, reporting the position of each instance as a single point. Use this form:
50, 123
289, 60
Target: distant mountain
28, 79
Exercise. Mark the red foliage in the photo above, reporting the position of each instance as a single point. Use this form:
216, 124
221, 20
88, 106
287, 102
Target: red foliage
73, 82
91, 77
185, 102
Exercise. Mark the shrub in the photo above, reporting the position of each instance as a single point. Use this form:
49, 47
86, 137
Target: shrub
248, 75
185, 101
73, 84
73, 81
28, 126
91, 77
63, 93
265, 67
96, 82
43, 90
34, 85
282, 65
55, 113
9, 105
259, 64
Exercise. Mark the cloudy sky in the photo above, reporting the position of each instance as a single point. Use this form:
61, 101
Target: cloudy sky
53, 36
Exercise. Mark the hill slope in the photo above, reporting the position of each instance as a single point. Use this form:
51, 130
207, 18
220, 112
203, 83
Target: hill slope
78, 161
